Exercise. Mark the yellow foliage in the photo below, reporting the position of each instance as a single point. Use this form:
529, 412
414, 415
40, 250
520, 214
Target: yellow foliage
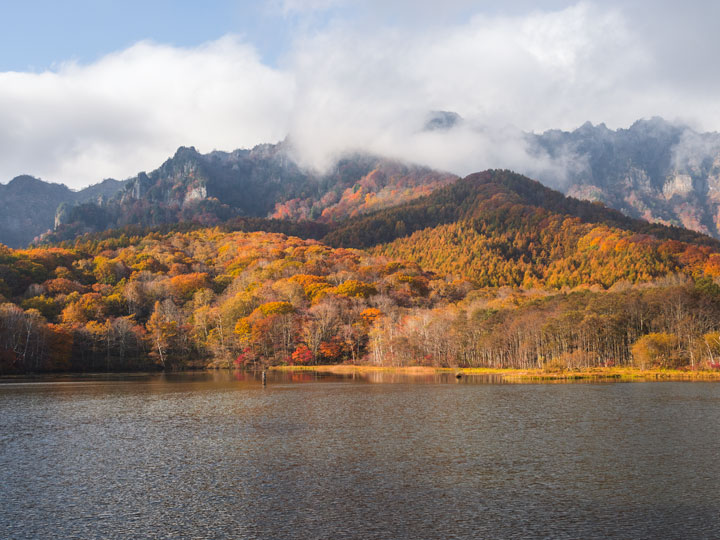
275, 308
355, 288
655, 350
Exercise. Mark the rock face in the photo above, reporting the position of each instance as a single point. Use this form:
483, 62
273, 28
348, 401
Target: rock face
197, 193
264, 181
29, 206
656, 170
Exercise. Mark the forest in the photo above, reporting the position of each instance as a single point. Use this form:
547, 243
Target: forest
493, 271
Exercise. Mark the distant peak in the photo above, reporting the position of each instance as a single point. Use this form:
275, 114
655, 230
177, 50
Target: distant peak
588, 127
441, 120
654, 122
27, 182
25, 179
186, 151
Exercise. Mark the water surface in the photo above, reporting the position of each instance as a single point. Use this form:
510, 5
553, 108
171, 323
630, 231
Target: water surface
216, 455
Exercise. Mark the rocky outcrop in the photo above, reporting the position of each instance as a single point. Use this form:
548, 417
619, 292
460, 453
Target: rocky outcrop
656, 170
264, 181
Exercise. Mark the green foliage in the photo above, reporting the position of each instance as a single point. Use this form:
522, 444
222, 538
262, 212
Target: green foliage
707, 286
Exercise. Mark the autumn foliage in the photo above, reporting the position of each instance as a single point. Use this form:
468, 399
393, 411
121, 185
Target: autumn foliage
491, 271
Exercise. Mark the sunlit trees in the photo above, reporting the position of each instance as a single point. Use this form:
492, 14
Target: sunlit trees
269, 331
657, 349
184, 286
711, 349
164, 331
109, 271
355, 288
546, 290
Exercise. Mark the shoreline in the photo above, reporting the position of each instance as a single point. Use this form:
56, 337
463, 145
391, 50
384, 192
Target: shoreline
619, 374
520, 375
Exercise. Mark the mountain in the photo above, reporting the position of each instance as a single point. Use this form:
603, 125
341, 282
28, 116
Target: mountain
655, 170
262, 182
495, 228
498, 228
441, 120
28, 206
493, 270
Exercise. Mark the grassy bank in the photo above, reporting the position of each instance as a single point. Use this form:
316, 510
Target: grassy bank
525, 375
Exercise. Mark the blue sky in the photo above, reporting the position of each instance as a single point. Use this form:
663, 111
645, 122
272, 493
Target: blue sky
37, 35
96, 89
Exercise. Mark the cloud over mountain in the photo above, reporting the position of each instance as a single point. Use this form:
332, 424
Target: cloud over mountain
353, 81
131, 109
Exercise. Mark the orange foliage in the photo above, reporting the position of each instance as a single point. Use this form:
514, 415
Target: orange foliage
370, 315
185, 285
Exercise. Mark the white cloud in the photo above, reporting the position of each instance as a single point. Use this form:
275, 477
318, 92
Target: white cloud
131, 110
503, 74
361, 84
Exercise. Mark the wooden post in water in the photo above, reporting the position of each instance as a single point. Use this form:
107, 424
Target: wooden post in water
264, 378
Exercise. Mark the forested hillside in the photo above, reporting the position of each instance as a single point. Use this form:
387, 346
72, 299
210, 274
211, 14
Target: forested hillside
494, 271
493, 191
183, 299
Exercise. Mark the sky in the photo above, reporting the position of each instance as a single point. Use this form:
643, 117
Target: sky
98, 89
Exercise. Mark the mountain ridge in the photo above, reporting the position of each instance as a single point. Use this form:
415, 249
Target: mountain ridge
656, 170
263, 182
459, 200
28, 205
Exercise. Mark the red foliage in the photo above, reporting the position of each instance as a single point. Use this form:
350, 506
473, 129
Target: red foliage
245, 357
302, 355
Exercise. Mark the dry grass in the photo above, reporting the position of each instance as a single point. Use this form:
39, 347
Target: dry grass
616, 373
527, 375
349, 368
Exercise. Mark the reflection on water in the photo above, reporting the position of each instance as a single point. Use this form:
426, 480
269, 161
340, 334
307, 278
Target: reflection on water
216, 455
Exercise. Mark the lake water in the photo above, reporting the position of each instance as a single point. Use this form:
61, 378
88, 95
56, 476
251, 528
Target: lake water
216, 455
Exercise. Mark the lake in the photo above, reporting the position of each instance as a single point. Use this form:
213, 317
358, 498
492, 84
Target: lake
217, 455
